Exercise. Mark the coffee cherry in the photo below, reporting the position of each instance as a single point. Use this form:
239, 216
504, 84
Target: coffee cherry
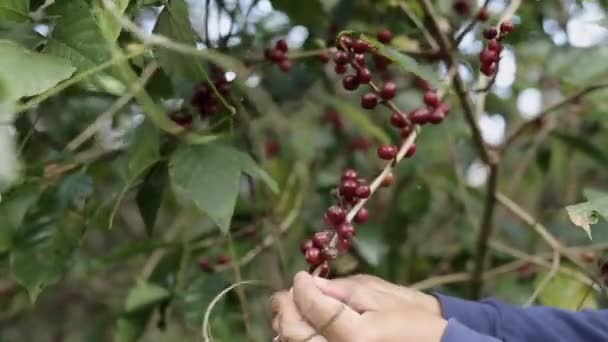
286, 65
223, 88
421, 83
344, 245
490, 33
345, 41
363, 191
445, 108
384, 36
313, 256
348, 188
359, 46
276, 55
362, 216
223, 259
489, 69
398, 120
431, 98
336, 215
381, 62
436, 116
272, 148
340, 57
387, 152
324, 57
205, 265
388, 180
306, 245
210, 109
488, 56
340, 69
364, 75
333, 117
350, 82
388, 91
483, 14
323, 269
411, 151
360, 59
321, 239
369, 101
419, 116
462, 7
182, 118
507, 27
349, 174
281, 45
494, 45
406, 131
345, 230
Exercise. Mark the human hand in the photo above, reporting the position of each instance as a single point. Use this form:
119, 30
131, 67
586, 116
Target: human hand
359, 308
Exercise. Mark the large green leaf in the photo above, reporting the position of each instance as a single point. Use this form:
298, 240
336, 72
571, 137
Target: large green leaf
583, 145
308, 13
108, 25
145, 149
173, 23
14, 10
200, 292
21, 33
13, 208
77, 37
566, 292
210, 175
30, 73
150, 195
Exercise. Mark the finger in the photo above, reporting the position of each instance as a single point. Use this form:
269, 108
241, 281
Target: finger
290, 324
360, 298
276, 300
409, 296
331, 318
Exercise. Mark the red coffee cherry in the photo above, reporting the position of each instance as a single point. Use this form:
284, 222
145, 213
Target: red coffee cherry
345, 230
398, 120
323, 269
388, 91
364, 75
411, 151
431, 98
306, 245
489, 69
348, 188
182, 118
488, 56
321, 239
462, 7
360, 59
483, 14
369, 101
359, 46
223, 259
324, 57
388, 180
336, 215
494, 45
281, 45
345, 41
344, 245
387, 152
406, 131
507, 27
436, 116
286, 65
276, 55
362, 216
340, 57
363, 191
272, 148
359, 143
350, 174
490, 33
313, 256
204, 265
381, 62
350, 82
384, 36
419, 116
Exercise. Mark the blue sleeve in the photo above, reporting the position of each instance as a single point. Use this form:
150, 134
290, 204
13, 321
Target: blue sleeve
457, 332
510, 323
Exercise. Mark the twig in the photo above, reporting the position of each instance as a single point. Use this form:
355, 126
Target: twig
570, 98
116, 106
470, 25
238, 278
552, 272
427, 35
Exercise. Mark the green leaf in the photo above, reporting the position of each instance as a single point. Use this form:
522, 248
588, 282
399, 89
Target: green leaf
77, 37
200, 292
586, 66
587, 213
22, 34
405, 62
143, 295
35, 269
584, 146
308, 13
144, 151
13, 208
594, 194
15, 10
150, 195
566, 292
371, 246
251, 168
359, 118
174, 24
43, 72
210, 175
130, 328
108, 25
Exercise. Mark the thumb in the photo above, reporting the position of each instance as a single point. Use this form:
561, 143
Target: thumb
330, 318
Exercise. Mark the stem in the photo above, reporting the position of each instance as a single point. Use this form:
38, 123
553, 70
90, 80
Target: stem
238, 278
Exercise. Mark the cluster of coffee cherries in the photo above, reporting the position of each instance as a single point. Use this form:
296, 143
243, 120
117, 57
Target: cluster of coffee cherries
208, 266
490, 56
204, 101
278, 55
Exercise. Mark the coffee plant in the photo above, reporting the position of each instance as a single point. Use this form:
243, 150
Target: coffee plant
165, 165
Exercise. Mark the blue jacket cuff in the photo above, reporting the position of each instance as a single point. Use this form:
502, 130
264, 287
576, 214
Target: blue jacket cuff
457, 332
478, 316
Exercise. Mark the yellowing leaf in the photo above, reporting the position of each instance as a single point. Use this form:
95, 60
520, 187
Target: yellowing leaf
587, 213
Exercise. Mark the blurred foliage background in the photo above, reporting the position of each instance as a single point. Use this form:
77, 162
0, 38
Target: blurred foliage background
117, 224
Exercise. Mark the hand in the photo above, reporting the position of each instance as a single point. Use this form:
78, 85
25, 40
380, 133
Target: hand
359, 308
